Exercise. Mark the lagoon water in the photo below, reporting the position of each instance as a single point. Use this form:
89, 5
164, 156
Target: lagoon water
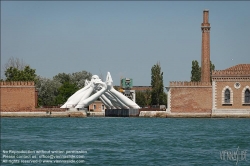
127, 141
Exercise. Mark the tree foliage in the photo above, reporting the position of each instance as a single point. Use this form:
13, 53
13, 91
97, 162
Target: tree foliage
15, 74
56, 91
157, 93
62, 77
147, 95
196, 71
77, 78
65, 91
212, 68
143, 98
47, 91
140, 98
16, 70
165, 99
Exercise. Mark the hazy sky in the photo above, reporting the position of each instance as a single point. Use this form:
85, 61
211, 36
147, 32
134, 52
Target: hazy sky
125, 38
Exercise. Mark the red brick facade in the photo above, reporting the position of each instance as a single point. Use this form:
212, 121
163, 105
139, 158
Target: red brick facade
187, 97
17, 96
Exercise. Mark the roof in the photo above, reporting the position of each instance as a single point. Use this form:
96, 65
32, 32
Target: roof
240, 67
240, 70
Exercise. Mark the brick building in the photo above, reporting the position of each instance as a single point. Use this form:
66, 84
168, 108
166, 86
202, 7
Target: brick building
231, 89
17, 96
97, 106
228, 92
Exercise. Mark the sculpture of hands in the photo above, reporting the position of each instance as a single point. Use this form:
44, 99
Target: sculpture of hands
110, 97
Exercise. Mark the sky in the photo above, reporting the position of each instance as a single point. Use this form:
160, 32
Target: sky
124, 38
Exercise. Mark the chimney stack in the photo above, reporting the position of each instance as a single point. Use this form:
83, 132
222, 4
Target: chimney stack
205, 47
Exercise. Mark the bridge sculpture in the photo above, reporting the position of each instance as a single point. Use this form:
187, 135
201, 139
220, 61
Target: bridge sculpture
95, 89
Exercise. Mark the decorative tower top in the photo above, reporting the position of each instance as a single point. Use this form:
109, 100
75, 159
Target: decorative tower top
205, 48
205, 26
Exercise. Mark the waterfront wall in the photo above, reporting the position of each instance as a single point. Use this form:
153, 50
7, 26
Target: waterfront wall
17, 96
80, 114
153, 114
190, 97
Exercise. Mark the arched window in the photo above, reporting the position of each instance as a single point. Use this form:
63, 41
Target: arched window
227, 96
247, 96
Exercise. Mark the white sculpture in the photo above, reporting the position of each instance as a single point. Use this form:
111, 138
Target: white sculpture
110, 97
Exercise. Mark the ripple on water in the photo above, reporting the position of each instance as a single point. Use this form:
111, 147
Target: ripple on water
131, 141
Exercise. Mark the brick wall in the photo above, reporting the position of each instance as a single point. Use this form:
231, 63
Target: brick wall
191, 99
17, 96
236, 94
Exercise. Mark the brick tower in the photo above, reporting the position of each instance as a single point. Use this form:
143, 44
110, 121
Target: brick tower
205, 48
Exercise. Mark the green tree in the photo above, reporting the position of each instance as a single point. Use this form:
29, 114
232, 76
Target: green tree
65, 91
79, 78
62, 77
140, 98
196, 71
143, 98
147, 95
157, 93
47, 91
56, 91
15, 74
212, 68
165, 99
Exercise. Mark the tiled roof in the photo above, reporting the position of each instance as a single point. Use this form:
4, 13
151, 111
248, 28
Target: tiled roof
240, 67
239, 70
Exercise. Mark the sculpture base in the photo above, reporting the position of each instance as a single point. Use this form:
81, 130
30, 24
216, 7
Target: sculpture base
121, 112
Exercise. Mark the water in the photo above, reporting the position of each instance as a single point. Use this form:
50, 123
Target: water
130, 141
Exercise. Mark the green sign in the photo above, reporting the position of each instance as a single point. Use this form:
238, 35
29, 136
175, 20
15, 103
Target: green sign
127, 83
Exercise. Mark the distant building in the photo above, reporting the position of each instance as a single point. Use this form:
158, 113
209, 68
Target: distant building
229, 91
97, 106
141, 88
